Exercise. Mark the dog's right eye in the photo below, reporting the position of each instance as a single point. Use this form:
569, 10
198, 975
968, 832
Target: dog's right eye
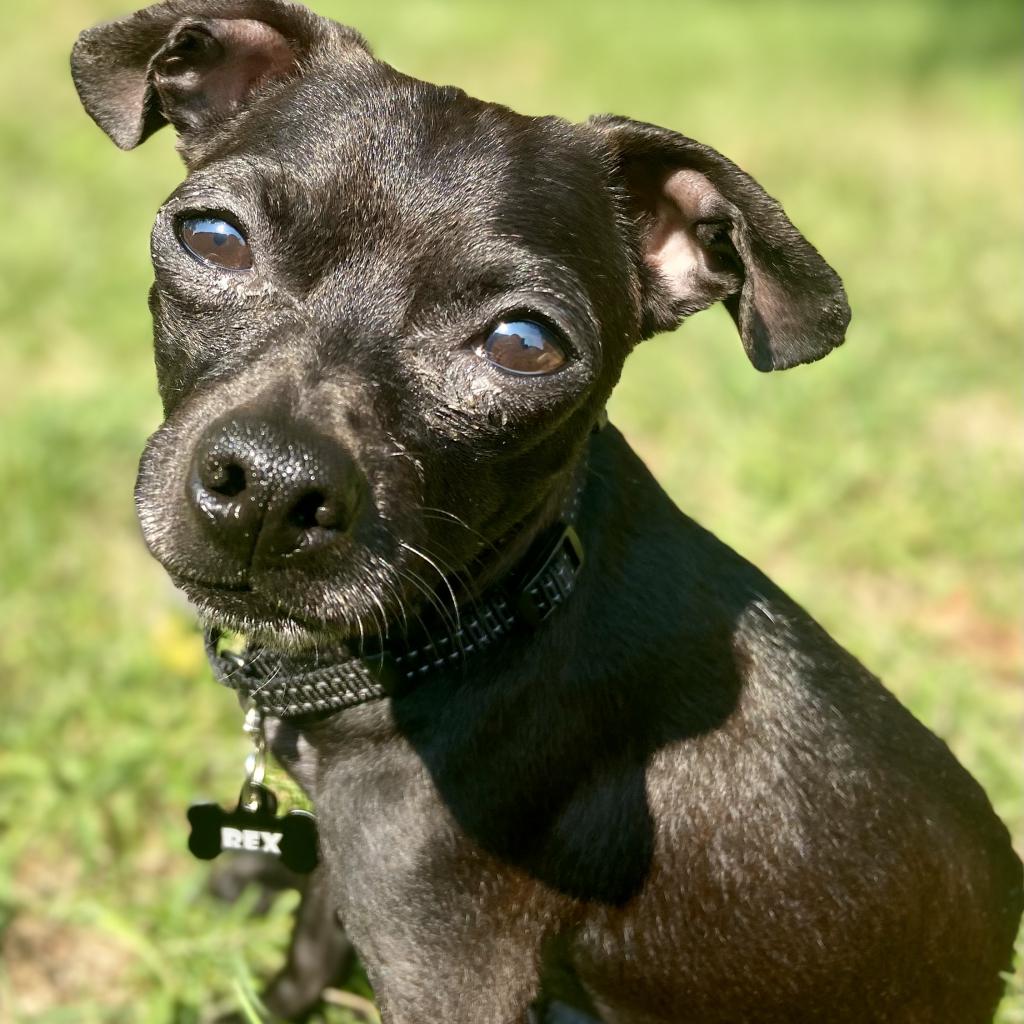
216, 242
522, 347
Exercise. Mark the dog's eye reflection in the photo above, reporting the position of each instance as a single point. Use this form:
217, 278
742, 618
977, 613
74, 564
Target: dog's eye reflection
216, 242
523, 347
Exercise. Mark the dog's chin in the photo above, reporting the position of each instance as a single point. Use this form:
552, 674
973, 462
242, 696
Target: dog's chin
270, 622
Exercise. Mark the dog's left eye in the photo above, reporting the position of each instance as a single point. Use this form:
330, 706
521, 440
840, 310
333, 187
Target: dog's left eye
524, 347
217, 242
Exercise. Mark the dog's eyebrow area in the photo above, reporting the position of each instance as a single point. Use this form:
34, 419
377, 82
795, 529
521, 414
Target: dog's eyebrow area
431, 252
500, 272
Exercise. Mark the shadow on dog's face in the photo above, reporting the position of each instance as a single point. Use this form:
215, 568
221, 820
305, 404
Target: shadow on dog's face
387, 314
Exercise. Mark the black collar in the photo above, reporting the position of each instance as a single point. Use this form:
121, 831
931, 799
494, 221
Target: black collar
291, 685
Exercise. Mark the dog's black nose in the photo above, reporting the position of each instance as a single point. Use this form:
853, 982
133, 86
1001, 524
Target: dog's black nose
264, 490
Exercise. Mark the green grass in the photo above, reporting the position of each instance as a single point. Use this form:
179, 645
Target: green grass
880, 487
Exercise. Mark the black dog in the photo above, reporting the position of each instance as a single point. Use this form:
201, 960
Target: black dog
641, 780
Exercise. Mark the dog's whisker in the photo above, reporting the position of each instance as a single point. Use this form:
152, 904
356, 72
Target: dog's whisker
396, 597
359, 626
380, 626
412, 549
462, 576
421, 585
432, 512
266, 682
383, 616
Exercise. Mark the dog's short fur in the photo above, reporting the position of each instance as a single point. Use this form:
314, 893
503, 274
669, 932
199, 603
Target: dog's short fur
678, 799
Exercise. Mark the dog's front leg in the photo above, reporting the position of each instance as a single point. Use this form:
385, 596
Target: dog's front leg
454, 993
319, 954
455, 960
471, 1006
486, 984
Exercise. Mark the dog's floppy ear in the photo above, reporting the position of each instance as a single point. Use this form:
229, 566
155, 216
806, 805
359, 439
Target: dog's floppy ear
192, 63
707, 232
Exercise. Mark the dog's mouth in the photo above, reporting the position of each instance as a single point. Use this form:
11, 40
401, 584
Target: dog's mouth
189, 583
367, 601
284, 630
272, 620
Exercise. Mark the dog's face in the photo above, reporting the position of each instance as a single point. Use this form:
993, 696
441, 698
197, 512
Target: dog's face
387, 315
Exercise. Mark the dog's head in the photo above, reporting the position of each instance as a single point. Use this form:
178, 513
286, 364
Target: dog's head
387, 314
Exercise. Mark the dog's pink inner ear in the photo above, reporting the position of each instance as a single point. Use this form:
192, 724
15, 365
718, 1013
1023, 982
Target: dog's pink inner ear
688, 239
209, 68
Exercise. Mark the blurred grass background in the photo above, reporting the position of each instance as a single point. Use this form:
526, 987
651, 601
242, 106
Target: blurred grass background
881, 488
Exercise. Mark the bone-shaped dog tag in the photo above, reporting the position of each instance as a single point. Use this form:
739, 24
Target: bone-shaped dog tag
254, 826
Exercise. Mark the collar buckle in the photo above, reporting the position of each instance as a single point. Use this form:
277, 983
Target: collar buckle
550, 584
